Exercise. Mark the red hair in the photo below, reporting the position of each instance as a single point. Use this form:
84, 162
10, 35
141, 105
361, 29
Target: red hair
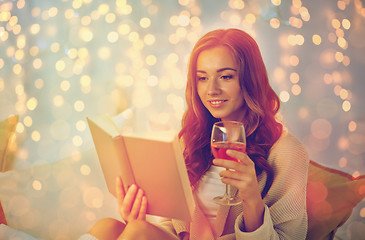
260, 107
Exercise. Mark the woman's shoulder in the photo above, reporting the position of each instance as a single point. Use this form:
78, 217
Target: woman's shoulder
288, 149
288, 142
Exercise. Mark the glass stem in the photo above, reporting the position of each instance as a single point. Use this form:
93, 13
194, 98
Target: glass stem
228, 191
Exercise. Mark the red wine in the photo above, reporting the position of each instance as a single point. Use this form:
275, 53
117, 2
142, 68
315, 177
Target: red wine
219, 149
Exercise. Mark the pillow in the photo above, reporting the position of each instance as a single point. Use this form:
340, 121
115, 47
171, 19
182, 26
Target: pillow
7, 128
331, 196
9, 233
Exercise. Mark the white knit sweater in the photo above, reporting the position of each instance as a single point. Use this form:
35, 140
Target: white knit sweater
285, 214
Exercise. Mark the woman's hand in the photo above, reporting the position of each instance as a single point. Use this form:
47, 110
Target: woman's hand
242, 175
133, 204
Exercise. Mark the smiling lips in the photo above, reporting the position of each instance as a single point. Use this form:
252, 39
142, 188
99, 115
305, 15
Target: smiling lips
216, 103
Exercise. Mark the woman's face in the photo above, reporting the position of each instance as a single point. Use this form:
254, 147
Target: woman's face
218, 83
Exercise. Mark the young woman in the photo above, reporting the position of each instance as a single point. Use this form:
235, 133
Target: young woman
227, 80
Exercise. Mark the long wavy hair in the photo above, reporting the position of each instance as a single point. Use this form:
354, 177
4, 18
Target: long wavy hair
260, 107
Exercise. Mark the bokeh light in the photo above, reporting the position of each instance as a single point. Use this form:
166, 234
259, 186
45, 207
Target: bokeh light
85, 170
37, 185
93, 197
321, 128
316, 39
63, 61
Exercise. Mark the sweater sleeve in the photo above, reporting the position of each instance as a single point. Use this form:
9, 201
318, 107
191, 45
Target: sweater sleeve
263, 232
285, 215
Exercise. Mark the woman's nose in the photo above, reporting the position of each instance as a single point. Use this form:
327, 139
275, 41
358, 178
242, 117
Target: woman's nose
213, 87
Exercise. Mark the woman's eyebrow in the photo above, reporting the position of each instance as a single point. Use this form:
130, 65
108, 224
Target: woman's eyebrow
219, 70
227, 68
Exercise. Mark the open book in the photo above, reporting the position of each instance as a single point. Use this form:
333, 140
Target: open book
154, 162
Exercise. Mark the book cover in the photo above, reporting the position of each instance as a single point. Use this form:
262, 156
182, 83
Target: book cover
152, 161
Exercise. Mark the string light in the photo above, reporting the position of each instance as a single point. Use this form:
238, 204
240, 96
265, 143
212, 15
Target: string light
64, 61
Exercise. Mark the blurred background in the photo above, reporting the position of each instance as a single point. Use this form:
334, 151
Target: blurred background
61, 61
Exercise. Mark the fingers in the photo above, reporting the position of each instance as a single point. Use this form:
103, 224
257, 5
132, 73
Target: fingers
226, 163
136, 205
232, 174
133, 203
236, 171
242, 157
127, 203
119, 191
231, 181
143, 209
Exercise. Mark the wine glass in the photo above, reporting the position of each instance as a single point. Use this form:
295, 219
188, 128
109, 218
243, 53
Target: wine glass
227, 135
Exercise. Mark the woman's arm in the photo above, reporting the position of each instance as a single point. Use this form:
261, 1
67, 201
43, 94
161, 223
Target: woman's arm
285, 214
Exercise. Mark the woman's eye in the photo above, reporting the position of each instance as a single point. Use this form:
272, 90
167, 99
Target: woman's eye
226, 77
202, 78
